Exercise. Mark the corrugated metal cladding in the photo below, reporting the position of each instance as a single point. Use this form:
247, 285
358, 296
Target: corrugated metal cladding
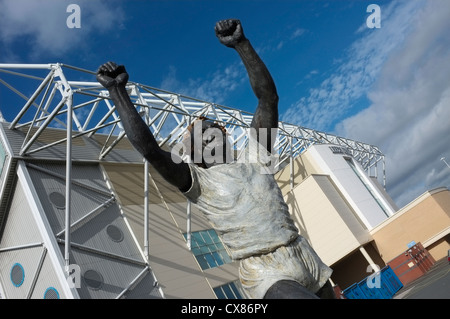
6, 177
26, 272
20, 228
83, 148
105, 278
102, 244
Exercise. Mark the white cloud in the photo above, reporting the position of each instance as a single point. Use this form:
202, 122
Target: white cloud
280, 45
403, 70
213, 88
42, 23
408, 117
328, 103
297, 33
279, 42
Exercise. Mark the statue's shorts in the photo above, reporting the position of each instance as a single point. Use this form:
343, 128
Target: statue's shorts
297, 261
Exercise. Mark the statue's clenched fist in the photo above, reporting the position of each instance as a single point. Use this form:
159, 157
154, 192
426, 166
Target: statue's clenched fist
110, 74
229, 32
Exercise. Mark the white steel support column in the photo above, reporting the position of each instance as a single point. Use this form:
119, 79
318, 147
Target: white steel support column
376, 170
68, 183
146, 210
291, 164
188, 226
146, 197
366, 255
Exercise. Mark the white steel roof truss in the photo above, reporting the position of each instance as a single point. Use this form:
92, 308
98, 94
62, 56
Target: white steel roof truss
183, 109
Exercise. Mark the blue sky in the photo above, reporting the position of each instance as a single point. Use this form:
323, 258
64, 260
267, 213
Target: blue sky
385, 86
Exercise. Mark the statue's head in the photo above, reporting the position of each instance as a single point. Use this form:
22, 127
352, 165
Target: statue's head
207, 144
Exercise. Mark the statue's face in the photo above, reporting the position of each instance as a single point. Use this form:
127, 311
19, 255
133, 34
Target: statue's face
208, 144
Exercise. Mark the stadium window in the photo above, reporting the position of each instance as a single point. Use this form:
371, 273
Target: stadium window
367, 185
230, 290
208, 249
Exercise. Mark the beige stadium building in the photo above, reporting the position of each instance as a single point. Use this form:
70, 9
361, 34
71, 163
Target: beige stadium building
83, 216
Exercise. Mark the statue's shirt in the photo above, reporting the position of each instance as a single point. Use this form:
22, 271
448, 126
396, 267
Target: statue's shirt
244, 204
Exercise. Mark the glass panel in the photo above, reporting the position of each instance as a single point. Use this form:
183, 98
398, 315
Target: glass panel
235, 290
218, 258
207, 239
225, 257
214, 236
368, 186
205, 249
194, 244
202, 261
197, 237
220, 246
219, 293
208, 249
211, 261
228, 292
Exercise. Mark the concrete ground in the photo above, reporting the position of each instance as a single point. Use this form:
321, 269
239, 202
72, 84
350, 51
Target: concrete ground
435, 284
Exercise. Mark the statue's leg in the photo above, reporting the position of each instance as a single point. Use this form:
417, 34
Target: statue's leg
326, 292
289, 289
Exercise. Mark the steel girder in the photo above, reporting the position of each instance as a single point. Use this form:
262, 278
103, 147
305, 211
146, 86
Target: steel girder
167, 114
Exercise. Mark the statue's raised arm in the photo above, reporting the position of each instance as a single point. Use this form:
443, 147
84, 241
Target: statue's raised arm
114, 78
231, 34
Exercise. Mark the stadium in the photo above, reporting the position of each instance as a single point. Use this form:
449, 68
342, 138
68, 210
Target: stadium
83, 216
